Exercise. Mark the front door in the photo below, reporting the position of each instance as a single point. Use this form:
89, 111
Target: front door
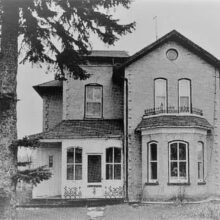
94, 176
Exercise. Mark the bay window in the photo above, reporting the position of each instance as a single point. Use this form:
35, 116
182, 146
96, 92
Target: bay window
152, 162
200, 161
178, 162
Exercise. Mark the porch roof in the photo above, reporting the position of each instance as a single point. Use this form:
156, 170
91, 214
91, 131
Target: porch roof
164, 121
70, 129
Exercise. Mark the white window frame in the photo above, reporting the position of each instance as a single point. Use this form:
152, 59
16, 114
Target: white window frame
150, 161
179, 179
181, 94
74, 164
113, 163
156, 92
93, 100
200, 144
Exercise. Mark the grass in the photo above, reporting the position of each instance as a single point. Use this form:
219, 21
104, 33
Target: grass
205, 211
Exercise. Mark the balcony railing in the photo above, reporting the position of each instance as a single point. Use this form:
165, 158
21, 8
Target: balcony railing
173, 110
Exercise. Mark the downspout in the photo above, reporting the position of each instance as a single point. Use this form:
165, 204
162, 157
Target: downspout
126, 137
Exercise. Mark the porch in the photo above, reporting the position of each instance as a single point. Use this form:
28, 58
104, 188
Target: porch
81, 169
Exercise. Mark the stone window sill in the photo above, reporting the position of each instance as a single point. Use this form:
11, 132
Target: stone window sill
151, 184
178, 184
202, 183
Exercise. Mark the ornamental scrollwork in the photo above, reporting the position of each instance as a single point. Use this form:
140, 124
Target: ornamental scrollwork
72, 192
114, 192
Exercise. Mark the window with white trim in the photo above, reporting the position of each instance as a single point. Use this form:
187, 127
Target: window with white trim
74, 163
160, 93
113, 163
178, 162
184, 95
200, 161
93, 102
152, 162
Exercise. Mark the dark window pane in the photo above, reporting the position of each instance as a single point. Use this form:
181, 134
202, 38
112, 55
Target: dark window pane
173, 151
109, 172
94, 168
153, 152
51, 161
70, 172
182, 151
78, 173
117, 172
109, 155
70, 155
153, 167
200, 170
117, 155
78, 156
174, 171
182, 169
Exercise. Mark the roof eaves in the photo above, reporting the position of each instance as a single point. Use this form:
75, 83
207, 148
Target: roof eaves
172, 126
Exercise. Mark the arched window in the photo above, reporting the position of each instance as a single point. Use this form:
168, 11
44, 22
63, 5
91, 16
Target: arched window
113, 163
152, 162
200, 161
184, 95
93, 101
74, 163
160, 99
178, 162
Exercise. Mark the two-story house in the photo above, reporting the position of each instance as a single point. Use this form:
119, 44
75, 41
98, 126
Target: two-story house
143, 127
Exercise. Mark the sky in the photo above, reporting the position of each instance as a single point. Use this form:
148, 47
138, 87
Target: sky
198, 20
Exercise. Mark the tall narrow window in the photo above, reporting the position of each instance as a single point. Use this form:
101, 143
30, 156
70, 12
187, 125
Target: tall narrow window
50, 161
184, 95
161, 94
178, 162
200, 161
74, 163
113, 163
152, 162
93, 102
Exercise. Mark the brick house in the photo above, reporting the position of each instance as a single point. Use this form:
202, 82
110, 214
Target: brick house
143, 127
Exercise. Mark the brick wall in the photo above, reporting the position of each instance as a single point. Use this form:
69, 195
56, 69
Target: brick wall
74, 92
141, 75
52, 110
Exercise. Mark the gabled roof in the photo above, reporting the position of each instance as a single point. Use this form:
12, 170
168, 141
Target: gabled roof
173, 121
70, 129
51, 86
177, 37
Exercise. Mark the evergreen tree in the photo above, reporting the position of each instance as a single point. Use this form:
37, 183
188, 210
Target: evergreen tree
54, 33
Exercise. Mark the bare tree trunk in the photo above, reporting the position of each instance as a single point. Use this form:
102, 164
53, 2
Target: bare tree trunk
8, 99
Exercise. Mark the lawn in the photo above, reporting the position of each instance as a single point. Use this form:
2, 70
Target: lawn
203, 211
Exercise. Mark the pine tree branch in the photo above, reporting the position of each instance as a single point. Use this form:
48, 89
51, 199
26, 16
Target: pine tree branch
33, 176
26, 142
